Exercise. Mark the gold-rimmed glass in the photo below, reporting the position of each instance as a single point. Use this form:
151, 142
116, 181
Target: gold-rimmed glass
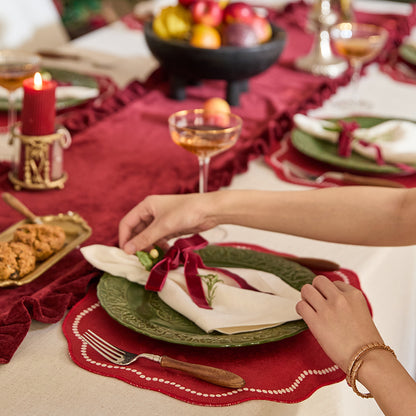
359, 43
15, 67
204, 134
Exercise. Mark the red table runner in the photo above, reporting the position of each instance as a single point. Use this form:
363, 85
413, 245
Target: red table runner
291, 369
121, 152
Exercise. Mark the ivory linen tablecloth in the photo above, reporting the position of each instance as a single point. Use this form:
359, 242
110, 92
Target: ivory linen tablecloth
121, 151
41, 379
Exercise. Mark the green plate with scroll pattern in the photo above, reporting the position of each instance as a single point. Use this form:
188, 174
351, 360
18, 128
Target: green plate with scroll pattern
144, 312
62, 76
327, 152
408, 53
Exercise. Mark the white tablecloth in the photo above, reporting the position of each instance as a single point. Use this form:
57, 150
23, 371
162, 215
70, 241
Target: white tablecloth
42, 380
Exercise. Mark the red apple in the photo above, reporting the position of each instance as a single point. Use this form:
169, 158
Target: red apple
206, 12
238, 12
239, 34
216, 104
262, 27
216, 112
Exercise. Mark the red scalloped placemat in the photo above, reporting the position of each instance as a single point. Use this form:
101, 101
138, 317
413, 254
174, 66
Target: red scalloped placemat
291, 369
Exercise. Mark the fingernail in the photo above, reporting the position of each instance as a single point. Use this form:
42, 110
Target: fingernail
130, 248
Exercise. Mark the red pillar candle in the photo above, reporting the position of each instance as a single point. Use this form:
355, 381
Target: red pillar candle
38, 111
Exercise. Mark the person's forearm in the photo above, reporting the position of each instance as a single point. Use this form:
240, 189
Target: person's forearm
349, 215
389, 383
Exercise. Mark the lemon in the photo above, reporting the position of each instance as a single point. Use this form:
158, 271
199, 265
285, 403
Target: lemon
173, 22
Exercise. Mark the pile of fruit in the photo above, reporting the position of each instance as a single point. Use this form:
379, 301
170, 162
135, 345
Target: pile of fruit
212, 24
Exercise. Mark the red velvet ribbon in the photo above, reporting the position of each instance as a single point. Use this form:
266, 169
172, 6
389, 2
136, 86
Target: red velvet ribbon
345, 137
182, 253
345, 145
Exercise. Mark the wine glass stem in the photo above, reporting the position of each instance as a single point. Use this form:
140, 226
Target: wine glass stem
11, 115
203, 174
355, 80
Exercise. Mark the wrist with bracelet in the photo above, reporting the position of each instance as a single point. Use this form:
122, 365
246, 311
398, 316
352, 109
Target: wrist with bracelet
357, 361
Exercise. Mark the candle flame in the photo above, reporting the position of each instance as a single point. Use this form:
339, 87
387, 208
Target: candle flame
38, 81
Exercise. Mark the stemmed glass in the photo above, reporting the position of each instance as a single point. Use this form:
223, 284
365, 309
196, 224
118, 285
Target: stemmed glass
205, 134
15, 66
358, 43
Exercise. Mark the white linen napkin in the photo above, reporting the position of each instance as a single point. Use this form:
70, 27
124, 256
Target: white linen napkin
396, 139
63, 92
233, 310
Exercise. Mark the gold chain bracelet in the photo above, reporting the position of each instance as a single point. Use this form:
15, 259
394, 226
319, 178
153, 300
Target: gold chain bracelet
356, 363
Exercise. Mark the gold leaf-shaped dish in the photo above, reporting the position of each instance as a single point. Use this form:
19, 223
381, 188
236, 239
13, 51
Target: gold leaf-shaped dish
76, 231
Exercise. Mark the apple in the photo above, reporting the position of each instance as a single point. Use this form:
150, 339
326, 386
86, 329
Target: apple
186, 3
238, 12
215, 104
262, 27
217, 112
239, 34
206, 12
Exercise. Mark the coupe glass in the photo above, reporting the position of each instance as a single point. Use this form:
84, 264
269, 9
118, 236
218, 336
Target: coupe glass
358, 43
205, 134
15, 66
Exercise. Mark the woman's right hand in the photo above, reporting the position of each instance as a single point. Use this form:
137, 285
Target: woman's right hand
159, 218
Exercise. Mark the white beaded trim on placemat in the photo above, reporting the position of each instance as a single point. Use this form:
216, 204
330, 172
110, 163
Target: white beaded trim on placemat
302, 376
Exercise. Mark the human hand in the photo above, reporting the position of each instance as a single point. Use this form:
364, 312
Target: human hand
337, 315
159, 218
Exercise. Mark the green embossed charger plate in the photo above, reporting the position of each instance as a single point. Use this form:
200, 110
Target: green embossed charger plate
327, 152
65, 77
144, 312
408, 53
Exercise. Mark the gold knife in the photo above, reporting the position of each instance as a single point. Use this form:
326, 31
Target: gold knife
347, 178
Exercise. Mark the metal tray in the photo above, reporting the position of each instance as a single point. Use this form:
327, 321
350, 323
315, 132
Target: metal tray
76, 231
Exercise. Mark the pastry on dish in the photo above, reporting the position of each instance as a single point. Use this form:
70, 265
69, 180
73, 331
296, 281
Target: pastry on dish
16, 260
45, 239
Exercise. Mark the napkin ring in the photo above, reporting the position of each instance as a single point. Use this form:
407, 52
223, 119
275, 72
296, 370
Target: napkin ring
356, 363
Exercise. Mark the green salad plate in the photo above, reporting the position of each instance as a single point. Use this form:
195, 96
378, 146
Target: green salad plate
327, 152
408, 53
64, 77
144, 312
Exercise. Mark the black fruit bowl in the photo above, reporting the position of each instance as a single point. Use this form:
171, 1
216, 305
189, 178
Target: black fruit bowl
187, 64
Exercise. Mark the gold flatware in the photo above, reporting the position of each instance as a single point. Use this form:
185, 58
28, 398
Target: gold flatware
20, 207
53, 54
344, 177
406, 70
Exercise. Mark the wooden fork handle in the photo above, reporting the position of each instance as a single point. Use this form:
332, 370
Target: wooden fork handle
212, 375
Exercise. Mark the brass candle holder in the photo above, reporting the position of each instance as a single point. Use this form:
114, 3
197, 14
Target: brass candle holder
38, 160
321, 60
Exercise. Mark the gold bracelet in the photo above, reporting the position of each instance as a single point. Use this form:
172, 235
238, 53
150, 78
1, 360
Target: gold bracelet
356, 363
